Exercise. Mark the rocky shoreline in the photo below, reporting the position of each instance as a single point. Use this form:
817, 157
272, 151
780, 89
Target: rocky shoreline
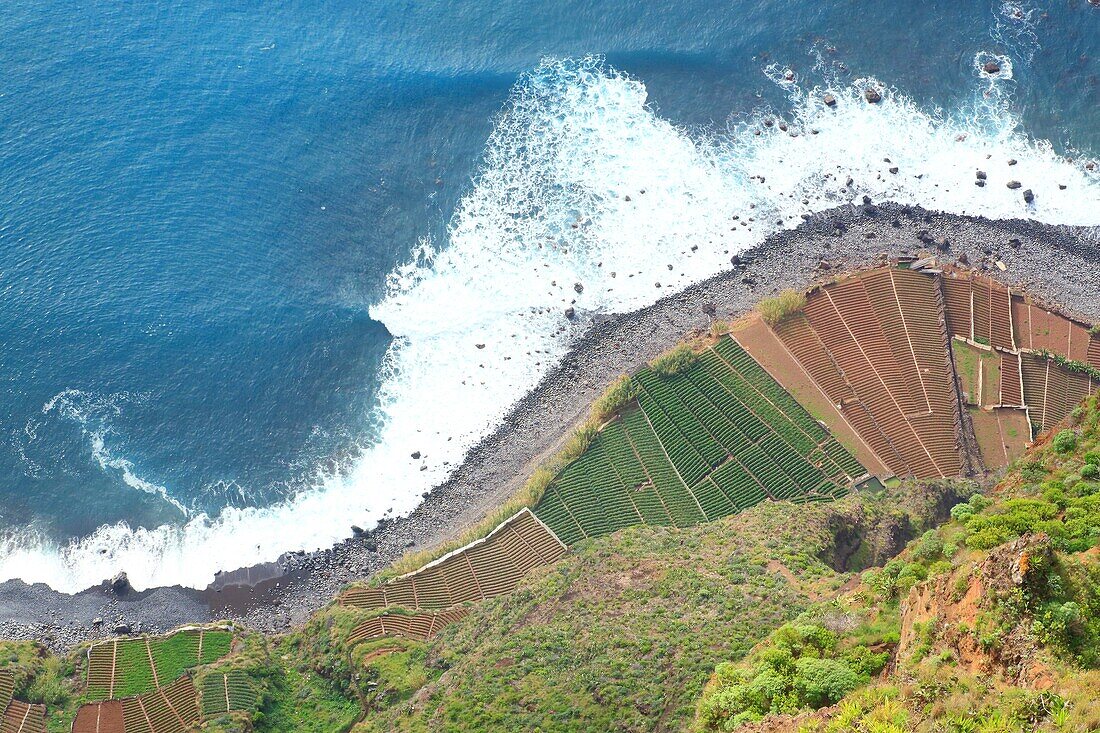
1058, 264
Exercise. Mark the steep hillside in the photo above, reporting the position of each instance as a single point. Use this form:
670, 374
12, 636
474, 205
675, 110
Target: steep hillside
990, 623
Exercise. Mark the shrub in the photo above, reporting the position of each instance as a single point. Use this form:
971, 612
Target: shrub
798, 667
1065, 441
962, 512
1092, 458
929, 547
820, 682
621, 391
673, 361
1090, 471
775, 309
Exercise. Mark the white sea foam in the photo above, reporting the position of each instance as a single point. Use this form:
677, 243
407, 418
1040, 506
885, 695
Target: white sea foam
583, 183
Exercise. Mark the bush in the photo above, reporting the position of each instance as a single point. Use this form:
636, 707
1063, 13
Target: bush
1090, 471
799, 667
773, 310
1065, 441
962, 512
620, 392
821, 682
673, 361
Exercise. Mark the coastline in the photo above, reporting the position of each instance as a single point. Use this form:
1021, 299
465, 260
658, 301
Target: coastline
1051, 262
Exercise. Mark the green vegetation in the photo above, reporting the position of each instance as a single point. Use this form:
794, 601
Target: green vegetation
134, 674
673, 361
801, 665
613, 399
773, 310
1010, 584
703, 445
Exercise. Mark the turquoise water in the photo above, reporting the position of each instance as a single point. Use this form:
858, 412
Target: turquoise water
247, 254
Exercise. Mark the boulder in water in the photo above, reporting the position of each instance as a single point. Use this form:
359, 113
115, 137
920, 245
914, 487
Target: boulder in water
872, 95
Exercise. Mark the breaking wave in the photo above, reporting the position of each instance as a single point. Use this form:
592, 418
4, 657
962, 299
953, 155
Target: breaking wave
586, 199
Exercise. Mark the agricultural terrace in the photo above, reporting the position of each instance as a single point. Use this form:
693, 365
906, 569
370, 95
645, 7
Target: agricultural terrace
1048, 361
717, 437
887, 346
232, 690
482, 569
415, 626
18, 717
170, 709
126, 667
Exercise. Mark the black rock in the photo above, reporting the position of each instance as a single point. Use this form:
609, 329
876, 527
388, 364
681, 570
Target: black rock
120, 583
1013, 185
1015, 243
924, 235
1061, 187
979, 184
735, 260
894, 169
578, 287
370, 547
768, 122
829, 100
866, 200
991, 67
480, 346
981, 175
748, 281
872, 95
1012, 161
963, 259
942, 244
1029, 196
569, 313
710, 308
415, 455
357, 531
122, 628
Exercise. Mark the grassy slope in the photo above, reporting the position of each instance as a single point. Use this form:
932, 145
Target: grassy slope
623, 633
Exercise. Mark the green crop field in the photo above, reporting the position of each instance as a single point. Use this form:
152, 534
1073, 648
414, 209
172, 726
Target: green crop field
229, 691
715, 438
173, 655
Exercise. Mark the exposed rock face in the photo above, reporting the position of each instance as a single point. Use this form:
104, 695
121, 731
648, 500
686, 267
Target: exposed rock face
947, 610
120, 584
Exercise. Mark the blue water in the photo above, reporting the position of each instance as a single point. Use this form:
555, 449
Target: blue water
200, 204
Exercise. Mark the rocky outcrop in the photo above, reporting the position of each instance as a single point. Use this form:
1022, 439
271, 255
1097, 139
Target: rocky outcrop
957, 612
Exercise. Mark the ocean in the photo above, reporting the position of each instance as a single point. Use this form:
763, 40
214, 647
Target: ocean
254, 259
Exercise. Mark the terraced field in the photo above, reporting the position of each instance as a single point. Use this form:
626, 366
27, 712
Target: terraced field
170, 709
717, 438
126, 667
233, 690
21, 717
16, 716
483, 569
